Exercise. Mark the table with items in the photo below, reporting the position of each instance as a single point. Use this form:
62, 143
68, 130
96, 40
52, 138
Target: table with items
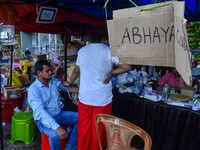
171, 127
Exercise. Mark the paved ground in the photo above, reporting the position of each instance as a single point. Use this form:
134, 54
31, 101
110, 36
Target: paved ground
18, 145
36, 144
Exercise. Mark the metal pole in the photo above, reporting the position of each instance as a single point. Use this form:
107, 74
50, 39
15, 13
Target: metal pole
39, 42
65, 43
36, 46
67, 101
1, 128
11, 62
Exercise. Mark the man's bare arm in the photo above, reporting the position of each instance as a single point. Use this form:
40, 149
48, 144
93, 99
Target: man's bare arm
117, 70
74, 75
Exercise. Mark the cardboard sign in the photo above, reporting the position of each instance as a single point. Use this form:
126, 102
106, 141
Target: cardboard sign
155, 37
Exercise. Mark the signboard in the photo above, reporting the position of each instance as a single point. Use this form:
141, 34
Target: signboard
7, 33
154, 37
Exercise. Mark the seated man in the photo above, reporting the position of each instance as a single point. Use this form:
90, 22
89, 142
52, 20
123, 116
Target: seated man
43, 97
173, 80
72, 49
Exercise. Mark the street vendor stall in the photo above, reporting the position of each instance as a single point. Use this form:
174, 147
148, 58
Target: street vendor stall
158, 119
170, 127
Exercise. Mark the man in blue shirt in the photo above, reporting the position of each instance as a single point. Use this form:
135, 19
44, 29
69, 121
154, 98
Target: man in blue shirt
43, 97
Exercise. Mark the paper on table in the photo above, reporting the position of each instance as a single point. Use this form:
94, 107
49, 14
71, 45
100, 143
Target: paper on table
182, 104
153, 98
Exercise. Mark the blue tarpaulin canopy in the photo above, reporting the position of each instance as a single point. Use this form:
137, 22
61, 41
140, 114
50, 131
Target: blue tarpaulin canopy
82, 15
95, 7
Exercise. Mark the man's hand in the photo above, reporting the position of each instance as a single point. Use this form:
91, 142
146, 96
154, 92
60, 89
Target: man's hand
109, 77
56, 69
66, 83
74, 89
62, 133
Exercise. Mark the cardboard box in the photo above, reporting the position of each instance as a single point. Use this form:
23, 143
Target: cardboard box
148, 37
39, 57
12, 92
24, 79
188, 91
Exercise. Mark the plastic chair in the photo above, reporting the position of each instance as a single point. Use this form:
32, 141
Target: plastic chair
22, 128
45, 142
120, 133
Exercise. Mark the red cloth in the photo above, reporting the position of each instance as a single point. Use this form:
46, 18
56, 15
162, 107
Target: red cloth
170, 80
62, 79
87, 138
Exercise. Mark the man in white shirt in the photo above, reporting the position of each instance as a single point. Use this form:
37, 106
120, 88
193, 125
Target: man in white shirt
95, 66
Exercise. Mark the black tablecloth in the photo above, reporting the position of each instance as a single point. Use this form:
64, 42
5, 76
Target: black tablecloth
170, 127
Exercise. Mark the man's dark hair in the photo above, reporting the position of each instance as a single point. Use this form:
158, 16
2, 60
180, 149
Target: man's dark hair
39, 65
98, 34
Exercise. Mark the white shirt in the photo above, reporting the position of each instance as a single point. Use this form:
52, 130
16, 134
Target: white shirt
95, 63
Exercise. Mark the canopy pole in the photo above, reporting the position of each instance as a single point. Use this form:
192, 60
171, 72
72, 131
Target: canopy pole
1, 128
65, 44
11, 62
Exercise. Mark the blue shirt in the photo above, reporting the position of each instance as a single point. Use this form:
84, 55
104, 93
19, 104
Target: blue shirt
45, 102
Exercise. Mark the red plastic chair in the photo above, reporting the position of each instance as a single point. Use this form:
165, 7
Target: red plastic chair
45, 142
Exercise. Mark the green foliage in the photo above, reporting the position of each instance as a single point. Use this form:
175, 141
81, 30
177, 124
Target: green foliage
197, 57
193, 31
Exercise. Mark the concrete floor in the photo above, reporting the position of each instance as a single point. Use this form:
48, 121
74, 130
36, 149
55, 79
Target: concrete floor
18, 145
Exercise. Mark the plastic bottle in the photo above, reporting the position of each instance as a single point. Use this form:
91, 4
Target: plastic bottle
136, 86
114, 81
149, 89
172, 91
155, 76
141, 82
165, 93
145, 90
129, 78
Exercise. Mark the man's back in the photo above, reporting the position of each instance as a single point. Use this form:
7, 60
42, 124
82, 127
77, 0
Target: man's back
95, 63
27, 52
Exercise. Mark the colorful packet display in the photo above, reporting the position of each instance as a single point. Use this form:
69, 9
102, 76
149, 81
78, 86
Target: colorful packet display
196, 101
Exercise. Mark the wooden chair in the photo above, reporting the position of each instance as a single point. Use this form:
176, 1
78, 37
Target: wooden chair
120, 133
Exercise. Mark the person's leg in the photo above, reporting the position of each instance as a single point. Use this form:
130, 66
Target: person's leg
69, 118
99, 110
84, 130
54, 139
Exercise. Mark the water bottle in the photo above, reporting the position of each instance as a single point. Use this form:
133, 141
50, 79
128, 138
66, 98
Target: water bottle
141, 82
129, 78
172, 91
149, 89
165, 93
155, 76
136, 86
114, 81
145, 91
